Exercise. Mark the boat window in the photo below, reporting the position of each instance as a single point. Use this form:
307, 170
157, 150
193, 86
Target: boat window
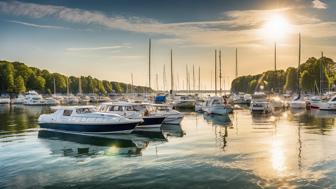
84, 110
129, 108
67, 112
334, 100
120, 108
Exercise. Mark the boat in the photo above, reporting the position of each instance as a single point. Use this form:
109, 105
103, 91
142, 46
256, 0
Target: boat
198, 105
216, 105
297, 103
330, 105
33, 98
184, 102
134, 111
4, 100
314, 102
260, 104
171, 116
18, 100
86, 119
277, 103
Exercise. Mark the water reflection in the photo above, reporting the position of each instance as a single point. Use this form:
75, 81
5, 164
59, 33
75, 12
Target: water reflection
79, 145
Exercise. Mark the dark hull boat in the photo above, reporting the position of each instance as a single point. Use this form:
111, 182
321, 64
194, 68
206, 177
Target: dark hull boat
152, 124
85, 119
108, 128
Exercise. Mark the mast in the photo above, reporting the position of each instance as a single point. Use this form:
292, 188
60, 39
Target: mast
199, 78
54, 86
193, 77
157, 81
80, 85
220, 71
298, 71
164, 77
132, 83
68, 89
275, 56
321, 73
236, 62
171, 71
149, 63
215, 72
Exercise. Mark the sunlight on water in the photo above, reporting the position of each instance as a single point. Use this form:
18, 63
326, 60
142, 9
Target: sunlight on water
287, 150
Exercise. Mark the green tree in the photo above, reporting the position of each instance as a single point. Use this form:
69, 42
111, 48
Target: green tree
291, 79
19, 85
307, 81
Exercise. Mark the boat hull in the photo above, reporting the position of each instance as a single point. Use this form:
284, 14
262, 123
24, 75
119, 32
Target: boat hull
173, 120
85, 128
152, 120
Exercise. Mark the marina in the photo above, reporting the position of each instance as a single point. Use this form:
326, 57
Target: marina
291, 149
179, 94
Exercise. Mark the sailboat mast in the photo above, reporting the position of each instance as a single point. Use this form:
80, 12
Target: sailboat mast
321, 73
236, 62
220, 71
298, 71
171, 71
194, 77
157, 81
68, 90
54, 86
79, 85
275, 56
215, 72
199, 78
164, 77
149, 63
132, 83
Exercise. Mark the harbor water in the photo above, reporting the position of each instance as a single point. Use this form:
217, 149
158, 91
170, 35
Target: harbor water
291, 149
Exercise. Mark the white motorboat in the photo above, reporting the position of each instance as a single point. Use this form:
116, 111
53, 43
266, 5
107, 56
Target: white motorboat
297, 103
277, 103
314, 102
5, 100
171, 116
33, 98
134, 111
184, 102
216, 105
199, 105
260, 103
18, 100
86, 119
330, 105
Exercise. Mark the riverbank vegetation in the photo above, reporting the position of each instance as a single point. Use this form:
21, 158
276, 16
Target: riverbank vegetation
315, 74
16, 77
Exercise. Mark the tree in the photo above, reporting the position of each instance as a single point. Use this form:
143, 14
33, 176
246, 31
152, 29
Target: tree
291, 79
19, 85
307, 81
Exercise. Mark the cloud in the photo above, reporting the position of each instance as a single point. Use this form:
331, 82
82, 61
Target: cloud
97, 48
37, 25
235, 28
319, 4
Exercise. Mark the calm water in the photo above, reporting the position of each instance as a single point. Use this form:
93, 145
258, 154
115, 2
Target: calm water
288, 150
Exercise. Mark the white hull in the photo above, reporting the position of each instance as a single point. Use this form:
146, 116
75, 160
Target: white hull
297, 104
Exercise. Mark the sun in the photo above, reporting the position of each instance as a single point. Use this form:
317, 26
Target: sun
276, 27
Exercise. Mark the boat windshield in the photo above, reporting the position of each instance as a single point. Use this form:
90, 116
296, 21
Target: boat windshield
85, 110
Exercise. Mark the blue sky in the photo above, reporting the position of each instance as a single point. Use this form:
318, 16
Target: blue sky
109, 39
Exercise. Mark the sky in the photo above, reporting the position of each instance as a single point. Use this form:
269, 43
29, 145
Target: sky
109, 39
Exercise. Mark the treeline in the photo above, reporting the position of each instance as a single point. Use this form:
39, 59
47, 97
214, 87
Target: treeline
16, 77
315, 74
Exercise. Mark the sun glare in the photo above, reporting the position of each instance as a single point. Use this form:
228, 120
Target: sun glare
276, 27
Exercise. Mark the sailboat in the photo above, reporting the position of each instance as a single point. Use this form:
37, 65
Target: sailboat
297, 102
